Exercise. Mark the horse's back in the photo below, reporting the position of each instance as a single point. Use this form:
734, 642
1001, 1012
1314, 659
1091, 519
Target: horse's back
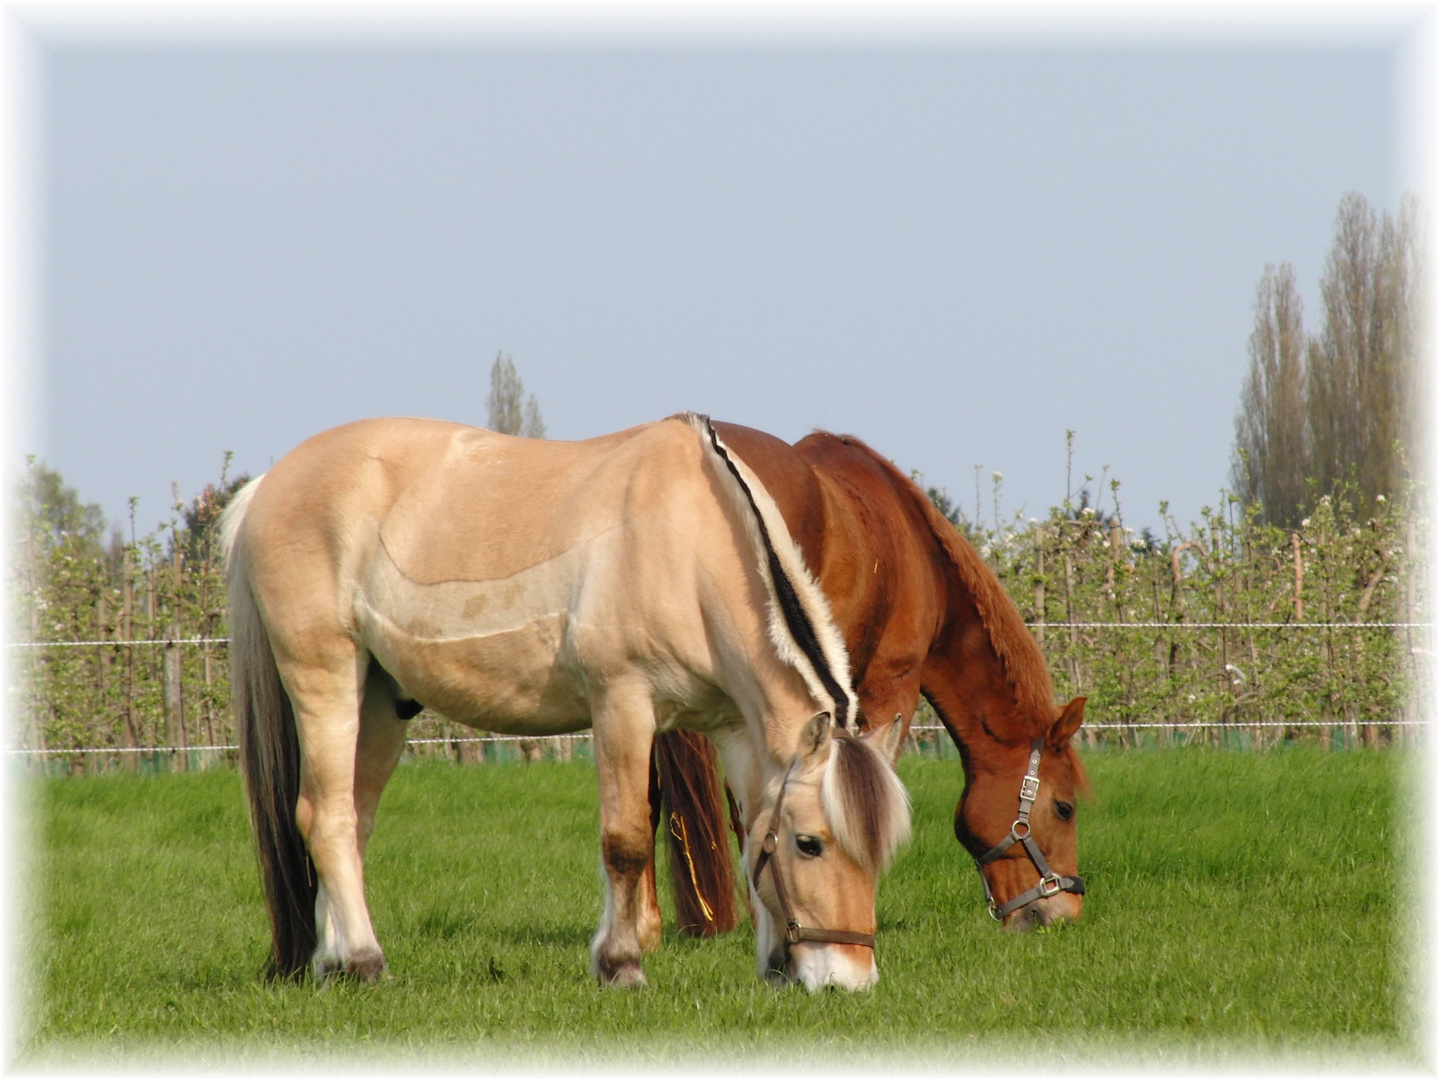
494, 576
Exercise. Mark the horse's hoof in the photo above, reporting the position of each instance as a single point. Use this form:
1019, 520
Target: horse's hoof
366, 969
626, 973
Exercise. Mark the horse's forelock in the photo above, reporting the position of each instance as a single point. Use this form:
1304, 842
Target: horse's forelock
866, 806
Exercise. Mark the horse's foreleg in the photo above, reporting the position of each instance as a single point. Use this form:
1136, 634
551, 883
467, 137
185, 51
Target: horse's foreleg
624, 722
327, 717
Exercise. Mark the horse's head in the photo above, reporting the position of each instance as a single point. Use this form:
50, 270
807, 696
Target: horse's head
1017, 819
826, 828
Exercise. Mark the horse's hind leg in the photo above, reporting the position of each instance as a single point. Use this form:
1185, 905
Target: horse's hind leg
380, 744
382, 741
327, 700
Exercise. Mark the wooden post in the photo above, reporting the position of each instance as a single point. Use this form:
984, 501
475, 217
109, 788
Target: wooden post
127, 634
1299, 576
1039, 583
1411, 710
36, 660
102, 659
1074, 634
172, 680
1217, 567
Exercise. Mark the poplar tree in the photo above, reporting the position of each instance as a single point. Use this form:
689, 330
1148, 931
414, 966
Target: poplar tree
1270, 427
1338, 413
511, 413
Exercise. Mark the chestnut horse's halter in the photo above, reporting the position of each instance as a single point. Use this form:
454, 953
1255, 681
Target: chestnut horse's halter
794, 932
1050, 882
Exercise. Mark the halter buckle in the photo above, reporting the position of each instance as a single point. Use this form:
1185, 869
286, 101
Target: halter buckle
1050, 884
1030, 788
792, 933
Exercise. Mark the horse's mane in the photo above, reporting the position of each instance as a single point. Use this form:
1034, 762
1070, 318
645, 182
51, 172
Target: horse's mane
1010, 639
802, 627
865, 804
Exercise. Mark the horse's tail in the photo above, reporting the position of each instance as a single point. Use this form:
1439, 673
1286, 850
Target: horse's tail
269, 761
701, 868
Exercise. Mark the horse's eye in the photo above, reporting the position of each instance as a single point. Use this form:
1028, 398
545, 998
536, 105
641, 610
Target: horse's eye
809, 846
1064, 810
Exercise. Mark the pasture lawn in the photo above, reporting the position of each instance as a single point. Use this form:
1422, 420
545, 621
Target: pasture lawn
1239, 904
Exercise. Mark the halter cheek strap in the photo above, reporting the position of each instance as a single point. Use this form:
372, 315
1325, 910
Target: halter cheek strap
1050, 882
794, 932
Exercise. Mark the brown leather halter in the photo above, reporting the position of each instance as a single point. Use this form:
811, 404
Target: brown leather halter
794, 932
1050, 882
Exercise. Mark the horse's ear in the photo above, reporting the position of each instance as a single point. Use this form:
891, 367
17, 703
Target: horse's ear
1070, 719
814, 737
887, 739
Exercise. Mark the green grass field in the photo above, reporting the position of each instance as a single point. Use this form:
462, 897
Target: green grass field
1239, 905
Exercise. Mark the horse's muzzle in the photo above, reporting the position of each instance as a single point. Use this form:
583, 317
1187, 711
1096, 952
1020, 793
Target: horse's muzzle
1044, 911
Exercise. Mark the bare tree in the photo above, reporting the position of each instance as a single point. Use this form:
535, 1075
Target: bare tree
1342, 409
532, 427
1364, 368
507, 414
1270, 451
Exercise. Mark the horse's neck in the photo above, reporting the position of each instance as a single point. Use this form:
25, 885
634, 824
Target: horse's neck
966, 675
883, 586
966, 682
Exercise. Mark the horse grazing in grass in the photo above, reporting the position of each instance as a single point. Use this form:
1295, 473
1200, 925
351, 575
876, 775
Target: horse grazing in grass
921, 613
632, 583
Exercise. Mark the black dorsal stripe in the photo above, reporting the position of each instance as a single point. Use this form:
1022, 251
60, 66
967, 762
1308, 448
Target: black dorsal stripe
796, 617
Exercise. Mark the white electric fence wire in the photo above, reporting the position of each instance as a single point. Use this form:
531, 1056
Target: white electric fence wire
1189, 726
1034, 625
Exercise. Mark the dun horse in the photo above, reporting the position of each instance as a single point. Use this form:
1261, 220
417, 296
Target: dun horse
921, 613
632, 583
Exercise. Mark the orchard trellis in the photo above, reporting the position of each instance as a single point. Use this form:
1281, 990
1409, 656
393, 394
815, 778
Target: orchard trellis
1230, 630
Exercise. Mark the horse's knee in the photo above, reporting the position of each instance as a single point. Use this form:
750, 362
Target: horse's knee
626, 853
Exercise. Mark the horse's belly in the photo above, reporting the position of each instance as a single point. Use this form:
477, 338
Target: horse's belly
513, 680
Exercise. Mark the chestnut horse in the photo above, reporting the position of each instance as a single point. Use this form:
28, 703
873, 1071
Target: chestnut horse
630, 583
921, 613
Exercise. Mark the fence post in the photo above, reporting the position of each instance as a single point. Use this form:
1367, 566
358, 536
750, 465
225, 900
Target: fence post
1299, 575
1039, 583
102, 659
1411, 710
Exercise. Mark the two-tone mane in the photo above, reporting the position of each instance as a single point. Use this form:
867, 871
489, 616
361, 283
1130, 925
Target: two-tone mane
866, 806
801, 626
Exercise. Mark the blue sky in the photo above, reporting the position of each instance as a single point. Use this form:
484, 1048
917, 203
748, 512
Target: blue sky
954, 247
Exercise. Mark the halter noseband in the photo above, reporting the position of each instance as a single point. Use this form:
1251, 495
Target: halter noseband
794, 932
1050, 882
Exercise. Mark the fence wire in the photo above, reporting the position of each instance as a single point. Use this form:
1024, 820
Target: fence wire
586, 735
